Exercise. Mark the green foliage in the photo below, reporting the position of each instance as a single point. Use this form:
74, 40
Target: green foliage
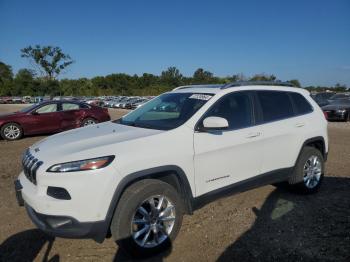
200, 76
295, 82
49, 61
23, 83
263, 77
26, 82
6, 79
5, 73
171, 77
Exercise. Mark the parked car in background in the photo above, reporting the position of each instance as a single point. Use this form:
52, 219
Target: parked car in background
322, 98
50, 117
139, 103
6, 100
38, 99
118, 103
127, 101
131, 102
26, 99
338, 110
338, 96
94, 101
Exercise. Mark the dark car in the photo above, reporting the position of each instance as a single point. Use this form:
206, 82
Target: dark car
50, 117
338, 110
322, 98
338, 96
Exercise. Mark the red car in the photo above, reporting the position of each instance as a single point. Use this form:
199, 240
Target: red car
50, 117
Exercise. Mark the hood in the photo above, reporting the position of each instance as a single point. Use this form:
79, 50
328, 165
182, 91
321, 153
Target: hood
81, 140
335, 107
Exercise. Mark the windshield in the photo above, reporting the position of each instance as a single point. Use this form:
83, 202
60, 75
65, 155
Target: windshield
167, 111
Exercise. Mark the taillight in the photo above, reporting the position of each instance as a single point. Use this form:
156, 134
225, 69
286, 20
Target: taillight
325, 115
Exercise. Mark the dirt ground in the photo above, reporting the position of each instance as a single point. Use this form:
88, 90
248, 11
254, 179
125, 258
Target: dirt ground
264, 224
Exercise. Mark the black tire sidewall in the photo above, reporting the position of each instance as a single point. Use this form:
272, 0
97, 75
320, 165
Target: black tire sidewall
130, 201
299, 170
11, 124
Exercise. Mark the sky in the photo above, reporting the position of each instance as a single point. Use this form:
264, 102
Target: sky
307, 40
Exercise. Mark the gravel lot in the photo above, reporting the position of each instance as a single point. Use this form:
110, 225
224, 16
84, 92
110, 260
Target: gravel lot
264, 224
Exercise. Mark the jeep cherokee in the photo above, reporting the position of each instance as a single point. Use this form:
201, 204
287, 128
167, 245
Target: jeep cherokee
135, 178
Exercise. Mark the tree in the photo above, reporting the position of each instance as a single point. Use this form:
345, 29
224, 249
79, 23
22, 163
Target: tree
295, 82
263, 77
237, 78
49, 61
200, 76
171, 76
6, 77
23, 84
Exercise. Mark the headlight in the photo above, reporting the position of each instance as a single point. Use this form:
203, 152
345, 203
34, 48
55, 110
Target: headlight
341, 111
82, 165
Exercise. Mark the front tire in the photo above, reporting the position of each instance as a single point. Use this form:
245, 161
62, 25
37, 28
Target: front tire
147, 218
11, 131
308, 172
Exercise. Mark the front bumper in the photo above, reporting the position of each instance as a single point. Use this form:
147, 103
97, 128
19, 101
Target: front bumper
63, 226
68, 227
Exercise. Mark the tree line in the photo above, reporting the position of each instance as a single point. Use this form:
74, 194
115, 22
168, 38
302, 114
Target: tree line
49, 62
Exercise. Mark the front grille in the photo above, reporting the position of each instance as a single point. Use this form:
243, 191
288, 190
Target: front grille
30, 166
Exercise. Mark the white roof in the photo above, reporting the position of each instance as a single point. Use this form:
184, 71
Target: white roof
215, 89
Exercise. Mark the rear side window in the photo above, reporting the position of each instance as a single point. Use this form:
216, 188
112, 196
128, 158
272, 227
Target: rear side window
84, 106
302, 106
69, 106
275, 105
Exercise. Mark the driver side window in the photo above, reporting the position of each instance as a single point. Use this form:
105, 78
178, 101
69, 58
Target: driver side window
50, 108
236, 108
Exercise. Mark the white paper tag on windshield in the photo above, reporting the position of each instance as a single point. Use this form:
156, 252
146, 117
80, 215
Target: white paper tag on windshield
201, 96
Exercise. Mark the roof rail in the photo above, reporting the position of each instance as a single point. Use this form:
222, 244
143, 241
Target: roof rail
200, 86
258, 83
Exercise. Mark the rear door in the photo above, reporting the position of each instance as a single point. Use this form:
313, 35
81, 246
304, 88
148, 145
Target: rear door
279, 126
71, 115
225, 157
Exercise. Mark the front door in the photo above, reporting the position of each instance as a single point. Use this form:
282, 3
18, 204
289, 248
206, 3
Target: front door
44, 119
228, 156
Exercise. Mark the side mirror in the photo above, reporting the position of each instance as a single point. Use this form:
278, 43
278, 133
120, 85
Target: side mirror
35, 113
215, 123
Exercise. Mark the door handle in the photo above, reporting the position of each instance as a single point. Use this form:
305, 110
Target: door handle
299, 124
252, 135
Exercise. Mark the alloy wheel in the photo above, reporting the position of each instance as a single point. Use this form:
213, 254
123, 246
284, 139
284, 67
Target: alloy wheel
89, 122
153, 221
312, 171
12, 132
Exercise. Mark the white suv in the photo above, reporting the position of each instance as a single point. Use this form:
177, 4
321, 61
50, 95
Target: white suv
134, 178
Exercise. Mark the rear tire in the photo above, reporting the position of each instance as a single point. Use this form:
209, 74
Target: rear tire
308, 172
148, 218
11, 131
